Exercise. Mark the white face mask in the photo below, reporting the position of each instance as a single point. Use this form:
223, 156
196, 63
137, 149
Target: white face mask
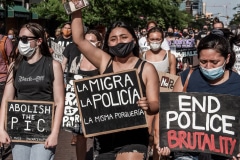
25, 49
10, 36
155, 46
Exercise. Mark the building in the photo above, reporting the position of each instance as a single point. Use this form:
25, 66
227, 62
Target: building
193, 7
16, 15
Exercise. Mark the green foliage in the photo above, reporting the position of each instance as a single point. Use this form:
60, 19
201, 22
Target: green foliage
51, 9
134, 12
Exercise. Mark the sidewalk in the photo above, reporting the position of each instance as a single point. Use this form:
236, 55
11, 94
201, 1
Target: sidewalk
65, 151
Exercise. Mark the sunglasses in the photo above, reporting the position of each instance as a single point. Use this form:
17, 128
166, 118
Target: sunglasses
25, 39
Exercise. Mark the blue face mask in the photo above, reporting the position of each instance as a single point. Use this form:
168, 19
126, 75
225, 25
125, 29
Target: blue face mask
213, 73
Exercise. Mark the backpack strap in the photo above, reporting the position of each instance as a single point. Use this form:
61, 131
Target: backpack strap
187, 80
2, 49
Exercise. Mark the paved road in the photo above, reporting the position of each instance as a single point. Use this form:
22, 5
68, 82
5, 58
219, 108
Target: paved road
65, 151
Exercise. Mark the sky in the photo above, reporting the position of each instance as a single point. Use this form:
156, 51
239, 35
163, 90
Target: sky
224, 7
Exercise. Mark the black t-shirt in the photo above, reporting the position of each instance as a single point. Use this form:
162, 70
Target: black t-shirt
201, 35
64, 42
70, 52
35, 81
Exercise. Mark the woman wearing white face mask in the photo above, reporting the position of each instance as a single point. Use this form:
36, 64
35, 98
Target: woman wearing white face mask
163, 61
34, 60
214, 75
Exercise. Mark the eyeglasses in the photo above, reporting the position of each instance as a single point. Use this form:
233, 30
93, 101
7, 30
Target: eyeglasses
25, 39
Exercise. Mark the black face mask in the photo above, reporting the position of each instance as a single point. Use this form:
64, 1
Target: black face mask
185, 34
122, 49
170, 34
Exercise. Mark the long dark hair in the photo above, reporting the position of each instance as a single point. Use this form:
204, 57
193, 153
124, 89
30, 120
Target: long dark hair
38, 31
129, 29
218, 40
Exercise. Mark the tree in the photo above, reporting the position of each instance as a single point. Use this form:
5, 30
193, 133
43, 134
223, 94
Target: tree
135, 12
50, 9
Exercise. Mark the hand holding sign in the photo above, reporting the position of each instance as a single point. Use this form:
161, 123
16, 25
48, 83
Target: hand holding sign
4, 137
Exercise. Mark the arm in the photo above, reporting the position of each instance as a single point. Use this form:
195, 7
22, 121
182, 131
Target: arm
64, 63
173, 64
178, 87
58, 92
9, 94
150, 103
95, 55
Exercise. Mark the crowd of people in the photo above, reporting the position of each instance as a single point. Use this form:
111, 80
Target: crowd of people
27, 52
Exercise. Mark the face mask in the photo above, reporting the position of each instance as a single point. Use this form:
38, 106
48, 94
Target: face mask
155, 46
66, 32
25, 49
185, 34
170, 34
122, 49
213, 73
10, 36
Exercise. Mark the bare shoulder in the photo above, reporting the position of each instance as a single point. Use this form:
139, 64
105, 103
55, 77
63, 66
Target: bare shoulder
148, 67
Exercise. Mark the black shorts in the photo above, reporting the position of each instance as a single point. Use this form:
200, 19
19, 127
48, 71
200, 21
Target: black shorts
125, 149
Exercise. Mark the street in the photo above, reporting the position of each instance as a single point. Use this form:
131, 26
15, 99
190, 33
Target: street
65, 151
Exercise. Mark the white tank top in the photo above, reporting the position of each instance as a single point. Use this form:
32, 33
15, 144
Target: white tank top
161, 66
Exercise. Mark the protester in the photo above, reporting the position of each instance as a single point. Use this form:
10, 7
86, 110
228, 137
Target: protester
58, 33
214, 75
144, 46
120, 53
12, 34
202, 34
6, 47
79, 65
66, 36
170, 35
163, 61
34, 60
217, 24
49, 40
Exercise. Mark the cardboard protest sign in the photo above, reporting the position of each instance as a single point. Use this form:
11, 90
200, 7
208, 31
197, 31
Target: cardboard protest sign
58, 51
167, 81
29, 121
200, 122
107, 103
71, 117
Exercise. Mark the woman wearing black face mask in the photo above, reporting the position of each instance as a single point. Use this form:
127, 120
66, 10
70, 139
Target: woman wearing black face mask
121, 52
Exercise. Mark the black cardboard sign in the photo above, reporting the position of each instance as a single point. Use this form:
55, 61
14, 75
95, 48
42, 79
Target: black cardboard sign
200, 122
107, 103
29, 121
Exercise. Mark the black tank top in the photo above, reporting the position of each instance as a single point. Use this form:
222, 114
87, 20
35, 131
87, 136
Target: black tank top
109, 69
35, 81
112, 142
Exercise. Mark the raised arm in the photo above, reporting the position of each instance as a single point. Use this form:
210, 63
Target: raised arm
95, 55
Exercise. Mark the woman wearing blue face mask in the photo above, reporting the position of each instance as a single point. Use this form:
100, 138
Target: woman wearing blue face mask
214, 75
